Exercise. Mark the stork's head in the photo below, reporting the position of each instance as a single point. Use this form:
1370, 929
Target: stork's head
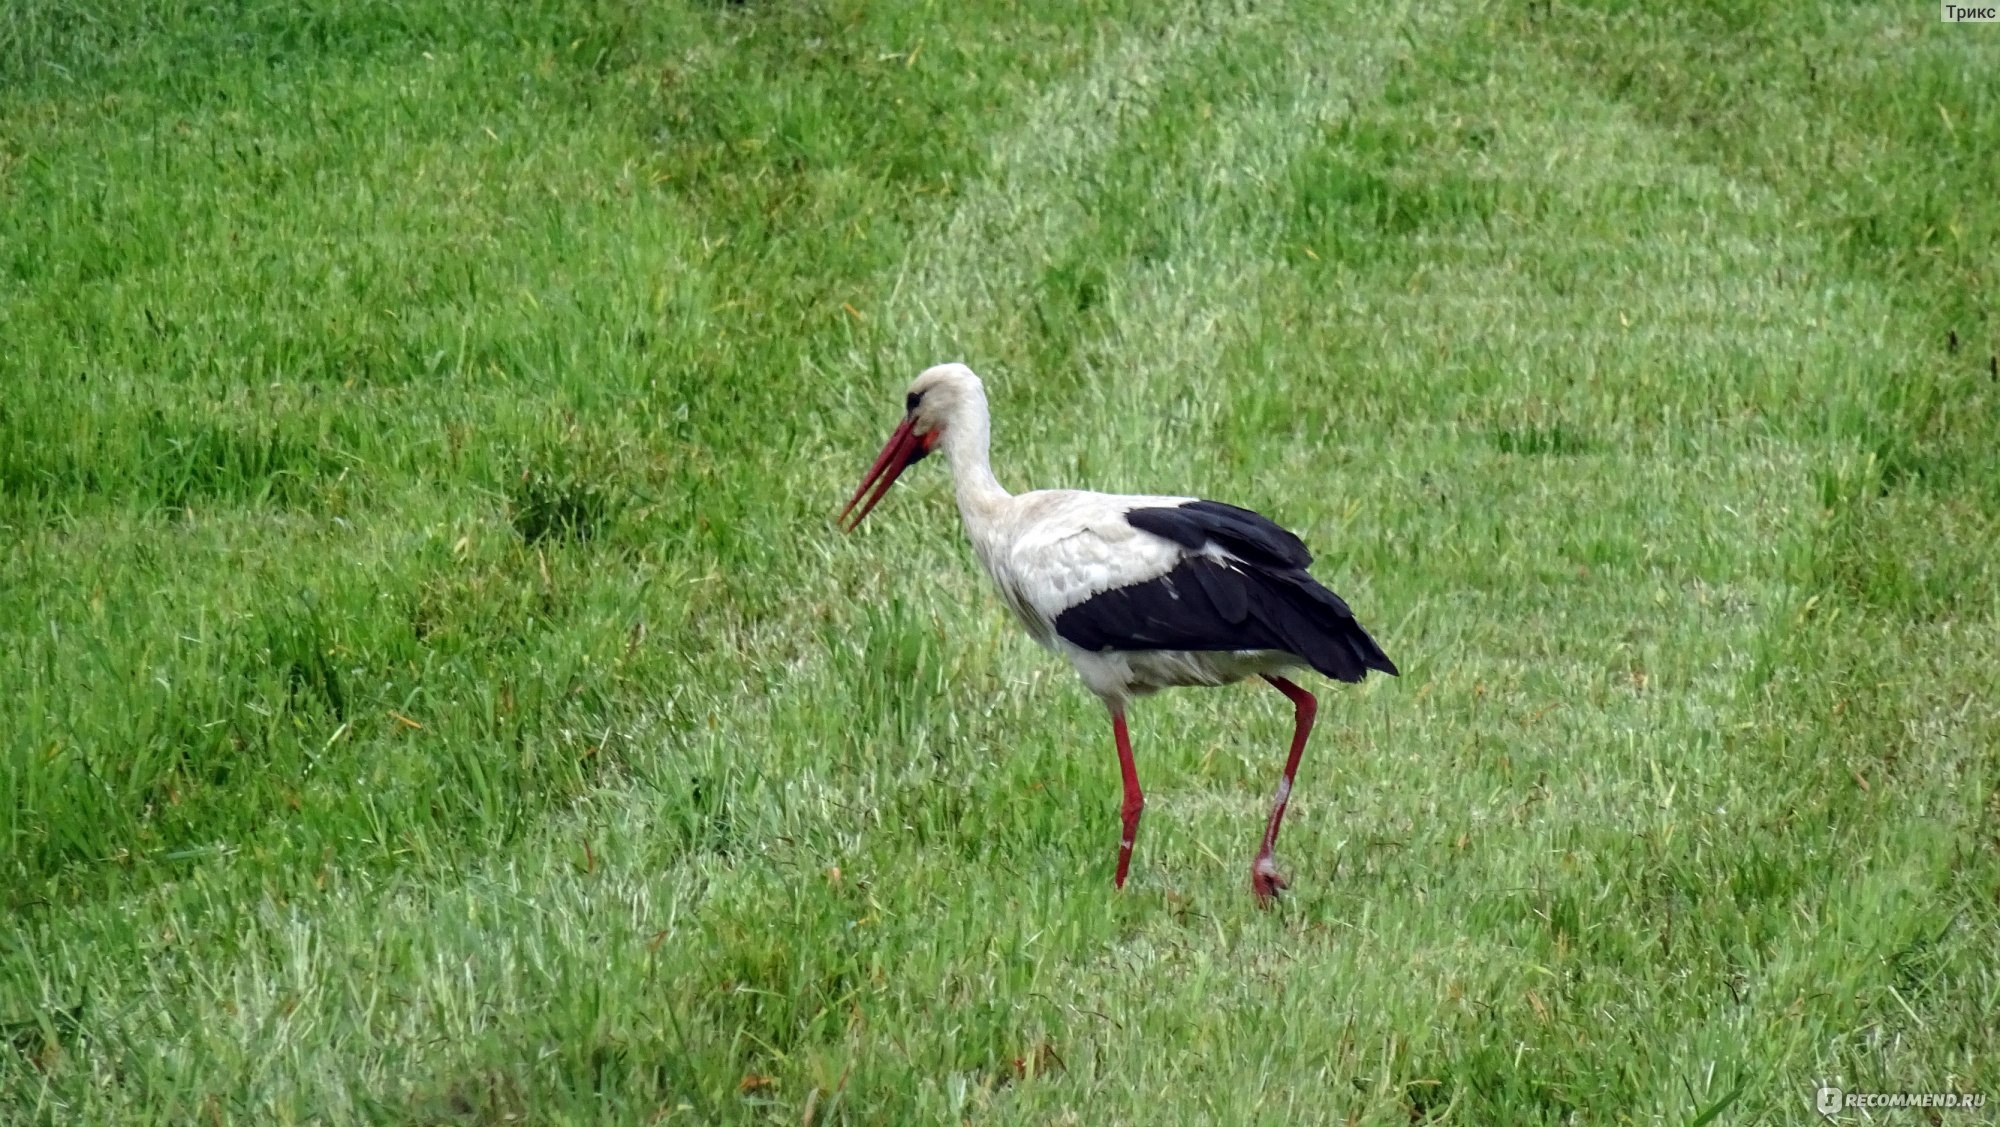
936, 398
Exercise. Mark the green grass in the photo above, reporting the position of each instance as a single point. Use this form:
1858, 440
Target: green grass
432, 692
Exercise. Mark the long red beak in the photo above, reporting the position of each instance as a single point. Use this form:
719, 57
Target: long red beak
905, 448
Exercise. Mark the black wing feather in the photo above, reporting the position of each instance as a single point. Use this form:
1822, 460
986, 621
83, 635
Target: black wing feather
1250, 536
1229, 597
1260, 600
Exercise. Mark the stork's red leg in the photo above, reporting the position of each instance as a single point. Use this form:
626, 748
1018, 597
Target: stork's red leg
1264, 878
1135, 800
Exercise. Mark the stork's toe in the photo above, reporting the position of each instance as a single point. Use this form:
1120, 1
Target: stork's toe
1266, 881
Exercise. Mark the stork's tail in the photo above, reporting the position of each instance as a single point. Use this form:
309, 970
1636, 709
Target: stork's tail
1325, 632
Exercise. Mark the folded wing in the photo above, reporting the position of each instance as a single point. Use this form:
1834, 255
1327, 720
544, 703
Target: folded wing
1214, 577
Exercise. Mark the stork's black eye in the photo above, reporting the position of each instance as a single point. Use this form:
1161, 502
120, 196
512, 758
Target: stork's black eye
911, 400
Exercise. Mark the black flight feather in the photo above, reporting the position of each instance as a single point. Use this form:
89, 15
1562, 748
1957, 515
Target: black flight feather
1249, 536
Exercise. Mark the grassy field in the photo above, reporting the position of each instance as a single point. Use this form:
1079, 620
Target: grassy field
432, 690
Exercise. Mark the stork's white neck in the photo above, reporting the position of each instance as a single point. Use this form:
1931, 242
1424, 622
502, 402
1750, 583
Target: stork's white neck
966, 439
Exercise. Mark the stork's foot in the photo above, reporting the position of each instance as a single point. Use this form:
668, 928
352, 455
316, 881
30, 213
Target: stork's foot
1266, 882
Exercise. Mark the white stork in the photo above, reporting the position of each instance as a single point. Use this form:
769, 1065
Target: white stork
1140, 593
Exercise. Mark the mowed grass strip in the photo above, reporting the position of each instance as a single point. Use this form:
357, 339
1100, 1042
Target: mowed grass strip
442, 699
